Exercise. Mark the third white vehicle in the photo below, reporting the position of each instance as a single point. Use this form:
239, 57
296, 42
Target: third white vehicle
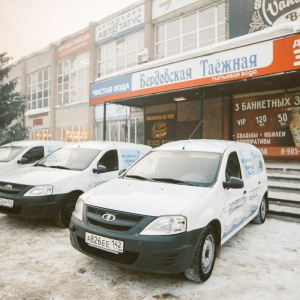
20, 154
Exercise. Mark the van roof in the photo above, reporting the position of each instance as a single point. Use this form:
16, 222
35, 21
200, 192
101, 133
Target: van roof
100, 145
27, 143
206, 145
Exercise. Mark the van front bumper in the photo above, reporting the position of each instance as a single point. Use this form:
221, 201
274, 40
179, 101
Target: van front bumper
156, 254
42, 207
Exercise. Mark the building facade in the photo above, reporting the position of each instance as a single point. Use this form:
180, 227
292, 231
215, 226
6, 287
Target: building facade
161, 70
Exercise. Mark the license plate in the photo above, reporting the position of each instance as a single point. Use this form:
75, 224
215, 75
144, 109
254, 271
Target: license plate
6, 202
104, 243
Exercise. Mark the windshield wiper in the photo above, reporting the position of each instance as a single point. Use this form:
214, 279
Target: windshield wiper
41, 165
172, 180
139, 177
60, 167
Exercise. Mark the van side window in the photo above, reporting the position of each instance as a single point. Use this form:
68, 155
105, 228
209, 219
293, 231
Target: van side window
34, 154
233, 166
110, 160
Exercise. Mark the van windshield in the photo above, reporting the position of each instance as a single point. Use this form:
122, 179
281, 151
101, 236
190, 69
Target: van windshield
9, 153
177, 167
76, 159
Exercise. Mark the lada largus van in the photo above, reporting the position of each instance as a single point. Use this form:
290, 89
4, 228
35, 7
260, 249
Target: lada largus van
171, 211
25, 153
50, 188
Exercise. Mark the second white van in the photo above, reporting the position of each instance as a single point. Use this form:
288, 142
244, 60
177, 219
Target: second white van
50, 188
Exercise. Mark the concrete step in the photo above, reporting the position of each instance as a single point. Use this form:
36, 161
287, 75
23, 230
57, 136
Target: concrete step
284, 209
284, 195
284, 191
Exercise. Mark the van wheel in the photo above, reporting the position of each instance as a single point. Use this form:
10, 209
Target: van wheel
205, 256
66, 209
262, 213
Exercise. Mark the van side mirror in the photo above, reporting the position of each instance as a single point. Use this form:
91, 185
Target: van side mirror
100, 169
233, 183
23, 161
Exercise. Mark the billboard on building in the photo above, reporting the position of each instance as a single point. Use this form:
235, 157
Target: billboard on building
255, 15
271, 123
123, 24
258, 59
73, 45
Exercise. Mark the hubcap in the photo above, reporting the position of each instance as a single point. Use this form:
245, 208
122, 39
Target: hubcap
208, 254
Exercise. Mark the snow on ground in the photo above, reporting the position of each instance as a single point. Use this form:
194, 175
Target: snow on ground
38, 262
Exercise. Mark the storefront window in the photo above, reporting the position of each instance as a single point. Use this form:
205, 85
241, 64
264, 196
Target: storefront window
120, 54
73, 79
190, 32
123, 124
75, 133
40, 135
39, 89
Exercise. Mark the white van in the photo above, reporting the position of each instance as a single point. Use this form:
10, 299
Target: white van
50, 188
172, 210
25, 153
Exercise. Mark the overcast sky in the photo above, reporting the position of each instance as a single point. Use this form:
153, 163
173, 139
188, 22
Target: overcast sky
27, 26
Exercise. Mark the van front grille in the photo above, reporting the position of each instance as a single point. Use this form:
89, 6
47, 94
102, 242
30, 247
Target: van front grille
11, 188
123, 221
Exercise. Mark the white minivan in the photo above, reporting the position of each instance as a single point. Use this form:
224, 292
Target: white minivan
50, 188
171, 211
25, 153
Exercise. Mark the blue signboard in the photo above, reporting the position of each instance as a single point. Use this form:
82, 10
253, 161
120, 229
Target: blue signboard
110, 87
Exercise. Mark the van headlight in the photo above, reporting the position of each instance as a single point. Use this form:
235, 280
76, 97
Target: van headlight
40, 190
166, 225
78, 212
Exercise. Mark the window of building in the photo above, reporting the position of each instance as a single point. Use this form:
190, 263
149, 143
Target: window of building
73, 79
39, 88
192, 31
42, 134
74, 133
119, 54
212, 25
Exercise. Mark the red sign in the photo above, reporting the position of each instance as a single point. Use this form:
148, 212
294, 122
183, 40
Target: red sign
74, 45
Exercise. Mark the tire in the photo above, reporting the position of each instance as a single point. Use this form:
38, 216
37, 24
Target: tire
262, 213
66, 209
205, 256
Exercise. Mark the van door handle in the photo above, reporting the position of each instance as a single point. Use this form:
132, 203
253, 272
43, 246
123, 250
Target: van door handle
245, 192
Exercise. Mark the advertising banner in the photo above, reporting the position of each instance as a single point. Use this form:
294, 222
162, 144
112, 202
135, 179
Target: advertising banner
74, 45
160, 129
264, 58
271, 123
127, 22
255, 15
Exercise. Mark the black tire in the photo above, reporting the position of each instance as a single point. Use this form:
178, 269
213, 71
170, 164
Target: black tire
62, 219
204, 258
262, 213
